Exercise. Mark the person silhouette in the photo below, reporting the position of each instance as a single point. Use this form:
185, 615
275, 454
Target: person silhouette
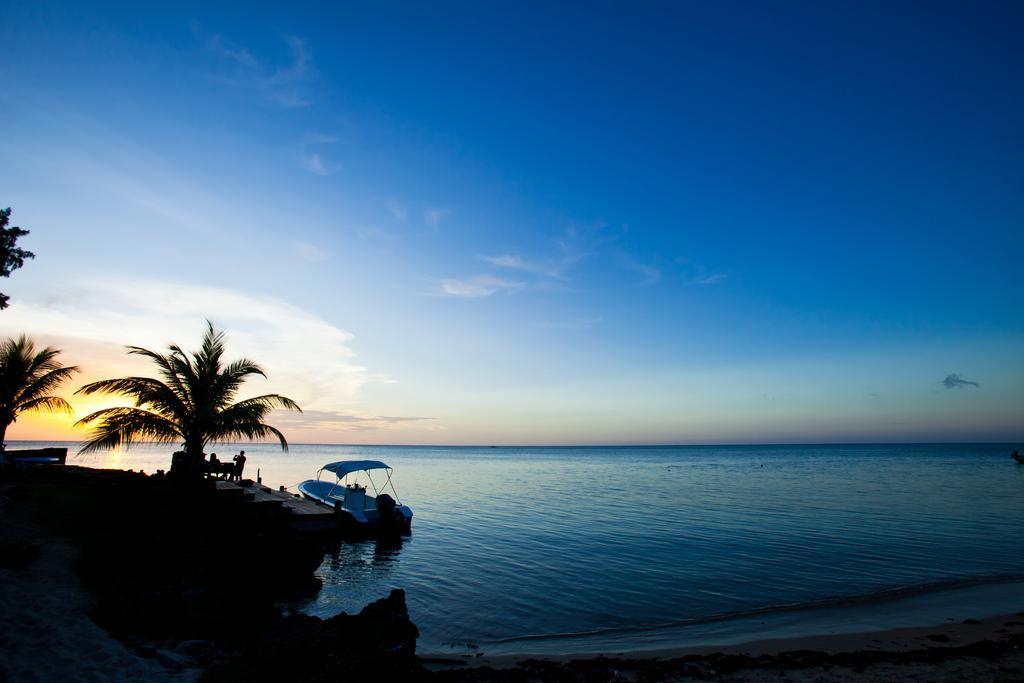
239, 466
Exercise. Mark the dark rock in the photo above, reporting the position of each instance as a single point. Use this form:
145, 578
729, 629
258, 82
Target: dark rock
17, 554
173, 661
199, 650
380, 640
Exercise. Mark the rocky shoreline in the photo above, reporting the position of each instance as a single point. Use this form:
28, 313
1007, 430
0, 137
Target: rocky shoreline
114, 575
186, 578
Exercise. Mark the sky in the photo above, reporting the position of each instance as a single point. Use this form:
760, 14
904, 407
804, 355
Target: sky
550, 223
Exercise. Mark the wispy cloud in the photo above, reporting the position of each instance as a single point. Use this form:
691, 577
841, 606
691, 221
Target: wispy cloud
331, 421
310, 252
433, 217
314, 163
565, 252
509, 261
955, 381
650, 274
314, 150
230, 52
305, 356
571, 247
285, 85
478, 286
512, 262
397, 210
712, 279
701, 275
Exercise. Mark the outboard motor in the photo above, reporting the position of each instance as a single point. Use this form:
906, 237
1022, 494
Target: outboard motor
386, 512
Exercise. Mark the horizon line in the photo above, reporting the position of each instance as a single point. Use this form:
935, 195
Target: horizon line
581, 445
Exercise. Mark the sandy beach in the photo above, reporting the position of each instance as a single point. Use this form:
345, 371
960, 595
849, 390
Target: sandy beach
48, 632
990, 649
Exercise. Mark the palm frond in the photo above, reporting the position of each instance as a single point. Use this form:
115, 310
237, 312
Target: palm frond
249, 431
230, 378
167, 369
272, 401
54, 404
124, 426
44, 384
145, 391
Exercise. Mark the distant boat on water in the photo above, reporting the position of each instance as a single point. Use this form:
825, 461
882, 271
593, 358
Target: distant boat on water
1018, 457
39, 456
357, 511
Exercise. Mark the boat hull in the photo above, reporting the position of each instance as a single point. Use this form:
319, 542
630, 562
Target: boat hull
39, 456
356, 518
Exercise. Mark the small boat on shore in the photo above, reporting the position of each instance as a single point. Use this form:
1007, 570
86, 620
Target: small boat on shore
37, 456
356, 510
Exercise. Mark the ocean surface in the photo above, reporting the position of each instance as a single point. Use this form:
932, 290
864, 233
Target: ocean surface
544, 550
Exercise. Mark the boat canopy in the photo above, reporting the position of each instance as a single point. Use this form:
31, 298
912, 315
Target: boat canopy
344, 467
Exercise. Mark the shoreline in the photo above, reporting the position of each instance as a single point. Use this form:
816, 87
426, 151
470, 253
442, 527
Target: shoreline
65, 590
948, 635
976, 650
981, 601
972, 650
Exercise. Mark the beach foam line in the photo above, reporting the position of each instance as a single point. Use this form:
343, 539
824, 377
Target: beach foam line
837, 602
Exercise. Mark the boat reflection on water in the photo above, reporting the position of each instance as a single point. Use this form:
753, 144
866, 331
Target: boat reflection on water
349, 553
354, 573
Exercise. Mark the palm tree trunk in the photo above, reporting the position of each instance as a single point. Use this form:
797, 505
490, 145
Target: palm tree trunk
189, 465
3, 445
195, 457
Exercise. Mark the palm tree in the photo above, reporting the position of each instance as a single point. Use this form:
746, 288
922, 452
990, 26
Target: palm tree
193, 404
27, 379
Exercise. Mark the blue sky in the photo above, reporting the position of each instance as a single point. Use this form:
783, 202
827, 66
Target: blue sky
536, 224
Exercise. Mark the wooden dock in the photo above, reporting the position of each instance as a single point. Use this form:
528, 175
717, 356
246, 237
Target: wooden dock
301, 515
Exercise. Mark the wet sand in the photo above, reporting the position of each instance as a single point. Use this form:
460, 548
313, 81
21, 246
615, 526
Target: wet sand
989, 649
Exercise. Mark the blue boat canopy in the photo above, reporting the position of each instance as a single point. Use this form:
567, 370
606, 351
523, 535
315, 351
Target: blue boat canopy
343, 467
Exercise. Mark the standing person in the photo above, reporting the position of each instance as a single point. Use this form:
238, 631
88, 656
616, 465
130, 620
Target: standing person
239, 466
215, 469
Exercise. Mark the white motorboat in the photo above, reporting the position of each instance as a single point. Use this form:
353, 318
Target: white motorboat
356, 509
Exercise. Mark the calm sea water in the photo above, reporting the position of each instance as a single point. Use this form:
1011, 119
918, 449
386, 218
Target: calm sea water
545, 549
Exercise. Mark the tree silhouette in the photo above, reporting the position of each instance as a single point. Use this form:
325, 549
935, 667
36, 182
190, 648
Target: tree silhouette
27, 380
11, 257
193, 404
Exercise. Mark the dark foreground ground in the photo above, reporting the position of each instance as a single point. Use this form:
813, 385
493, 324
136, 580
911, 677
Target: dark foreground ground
110, 575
